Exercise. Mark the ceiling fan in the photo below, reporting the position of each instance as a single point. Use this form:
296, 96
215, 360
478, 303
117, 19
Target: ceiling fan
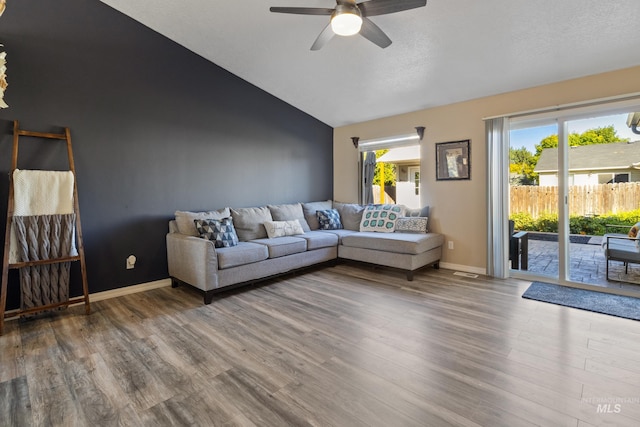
349, 18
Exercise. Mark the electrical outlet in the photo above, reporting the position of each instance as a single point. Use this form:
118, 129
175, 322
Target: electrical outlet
451, 244
131, 262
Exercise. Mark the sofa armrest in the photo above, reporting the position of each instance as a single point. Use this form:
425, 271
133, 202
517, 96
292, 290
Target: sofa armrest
192, 260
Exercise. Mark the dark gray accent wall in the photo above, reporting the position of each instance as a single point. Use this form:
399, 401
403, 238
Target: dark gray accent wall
155, 128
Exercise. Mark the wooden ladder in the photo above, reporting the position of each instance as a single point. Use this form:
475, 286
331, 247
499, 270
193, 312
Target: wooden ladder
6, 266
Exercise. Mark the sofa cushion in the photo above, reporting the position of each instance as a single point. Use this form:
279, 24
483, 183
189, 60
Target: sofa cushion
402, 243
310, 209
319, 239
350, 215
283, 228
412, 225
184, 219
241, 254
381, 218
249, 222
283, 246
288, 213
339, 233
220, 231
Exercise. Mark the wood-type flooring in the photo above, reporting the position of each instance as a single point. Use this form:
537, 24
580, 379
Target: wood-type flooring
338, 346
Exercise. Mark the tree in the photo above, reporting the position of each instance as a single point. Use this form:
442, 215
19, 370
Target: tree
601, 135
522, 162
389, 171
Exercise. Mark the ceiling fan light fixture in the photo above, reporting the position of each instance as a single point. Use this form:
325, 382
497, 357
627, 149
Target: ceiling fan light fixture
346, 21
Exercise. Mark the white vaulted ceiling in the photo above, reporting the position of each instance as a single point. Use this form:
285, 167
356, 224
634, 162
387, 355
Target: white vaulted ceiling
448, 51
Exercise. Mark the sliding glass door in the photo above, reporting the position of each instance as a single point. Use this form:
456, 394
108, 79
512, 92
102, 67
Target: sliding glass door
603, 181
573, 176
533, 199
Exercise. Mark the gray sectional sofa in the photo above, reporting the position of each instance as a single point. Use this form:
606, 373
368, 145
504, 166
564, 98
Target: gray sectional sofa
212, 253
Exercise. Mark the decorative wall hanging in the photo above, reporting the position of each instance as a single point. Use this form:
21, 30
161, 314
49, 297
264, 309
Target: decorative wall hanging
3, 78
453, 160
3, 63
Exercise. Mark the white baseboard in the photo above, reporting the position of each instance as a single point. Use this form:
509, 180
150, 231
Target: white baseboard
465, 268
127, 290
112, 293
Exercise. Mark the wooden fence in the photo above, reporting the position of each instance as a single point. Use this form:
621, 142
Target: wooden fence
584, 200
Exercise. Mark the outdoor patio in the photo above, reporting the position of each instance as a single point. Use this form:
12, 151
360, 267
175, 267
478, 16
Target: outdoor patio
588, 264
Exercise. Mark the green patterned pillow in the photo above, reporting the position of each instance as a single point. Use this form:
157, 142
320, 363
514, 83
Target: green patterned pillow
381, 218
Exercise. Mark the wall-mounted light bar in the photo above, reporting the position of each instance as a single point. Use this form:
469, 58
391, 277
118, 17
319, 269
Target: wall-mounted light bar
386, 142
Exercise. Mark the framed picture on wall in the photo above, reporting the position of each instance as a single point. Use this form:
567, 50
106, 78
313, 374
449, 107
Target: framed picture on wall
453, 160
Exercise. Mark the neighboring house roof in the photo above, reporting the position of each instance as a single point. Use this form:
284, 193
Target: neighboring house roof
620, 155
401, 154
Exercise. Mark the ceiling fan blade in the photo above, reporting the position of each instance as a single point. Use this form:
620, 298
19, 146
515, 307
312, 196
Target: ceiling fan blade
382, 7
373, 33
323, 38
302, 10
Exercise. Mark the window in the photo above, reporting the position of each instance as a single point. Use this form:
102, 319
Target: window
390, 171
414, 176
613, 178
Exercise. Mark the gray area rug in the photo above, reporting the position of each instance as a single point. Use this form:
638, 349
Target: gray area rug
599, 302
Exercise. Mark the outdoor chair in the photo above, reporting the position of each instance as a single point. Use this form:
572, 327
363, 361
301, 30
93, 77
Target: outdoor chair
518, 248
620, 247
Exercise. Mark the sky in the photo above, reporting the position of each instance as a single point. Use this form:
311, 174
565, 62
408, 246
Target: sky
531, 136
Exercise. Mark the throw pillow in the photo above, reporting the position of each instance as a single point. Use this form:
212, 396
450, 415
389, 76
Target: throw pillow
329, 219
381, 218
249, 222
184, 219
220, 231
634, 231
310, 209
289, 213
283, 228
412, 225
350, 214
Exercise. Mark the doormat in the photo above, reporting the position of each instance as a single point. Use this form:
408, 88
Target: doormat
599, 302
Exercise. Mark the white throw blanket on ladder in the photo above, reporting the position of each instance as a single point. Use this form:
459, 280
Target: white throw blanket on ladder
37, 192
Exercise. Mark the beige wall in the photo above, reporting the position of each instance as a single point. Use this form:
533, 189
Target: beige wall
459, 207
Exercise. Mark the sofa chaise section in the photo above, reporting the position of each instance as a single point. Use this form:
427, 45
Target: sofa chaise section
406, 251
